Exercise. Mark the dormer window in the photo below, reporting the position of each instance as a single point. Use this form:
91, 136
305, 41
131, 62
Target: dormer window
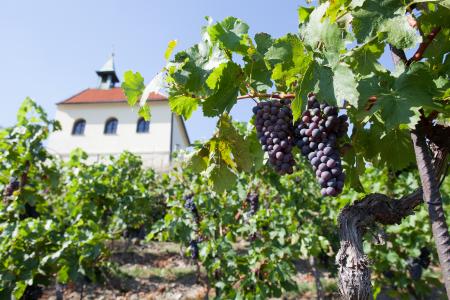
142, 126
78, 127
111, 126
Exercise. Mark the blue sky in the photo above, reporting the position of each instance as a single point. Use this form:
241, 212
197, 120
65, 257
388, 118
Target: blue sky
51, 49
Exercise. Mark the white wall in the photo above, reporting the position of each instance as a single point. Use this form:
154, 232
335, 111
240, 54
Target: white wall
154, 146
180, 140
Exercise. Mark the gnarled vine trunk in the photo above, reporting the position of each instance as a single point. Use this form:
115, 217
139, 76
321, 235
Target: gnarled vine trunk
433, 200
355, 219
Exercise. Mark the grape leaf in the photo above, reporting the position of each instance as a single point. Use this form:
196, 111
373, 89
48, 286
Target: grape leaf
344, 84
133, 86
413, 89
263, 42
239, 145
377, 146
257, 72
183, 105
190, 68
364, 59
169, 49
231, 33
399, 33
289, 59
322, 32
399, 154
198, 160
144, 112
304, 13
226, 81
368, 18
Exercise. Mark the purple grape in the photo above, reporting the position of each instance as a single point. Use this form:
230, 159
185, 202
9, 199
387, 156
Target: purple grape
331, 163
325, 175
327, 150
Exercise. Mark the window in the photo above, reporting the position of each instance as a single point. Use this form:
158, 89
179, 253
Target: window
111, 126
142, 126
78, 127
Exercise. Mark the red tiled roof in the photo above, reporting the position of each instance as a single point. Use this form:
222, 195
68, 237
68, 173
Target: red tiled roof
105, 96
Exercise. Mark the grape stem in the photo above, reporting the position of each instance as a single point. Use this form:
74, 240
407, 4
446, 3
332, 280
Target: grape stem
265, 95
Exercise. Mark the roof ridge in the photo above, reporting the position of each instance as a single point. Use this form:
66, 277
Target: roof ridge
97, 95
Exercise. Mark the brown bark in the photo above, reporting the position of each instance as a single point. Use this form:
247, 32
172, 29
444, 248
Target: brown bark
433, 200
355, 219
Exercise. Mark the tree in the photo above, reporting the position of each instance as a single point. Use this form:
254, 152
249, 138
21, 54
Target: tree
398, 117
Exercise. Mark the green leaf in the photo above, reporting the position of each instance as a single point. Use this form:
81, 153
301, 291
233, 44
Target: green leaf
344, 84
303, 13
231, 33
322, 32
399, 100
220, 176
183, 105
191, 68
364, 59
399, 154
289, 60
170, 48
239, 145
144, 112
263, 42
133, 86
399, 33
226, 81
368, 18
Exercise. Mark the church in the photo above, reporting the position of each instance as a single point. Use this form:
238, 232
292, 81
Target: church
100, 121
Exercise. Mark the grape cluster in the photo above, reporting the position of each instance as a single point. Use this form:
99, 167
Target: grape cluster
11, 187
253, 202
193, 246
316, 135
424, 257
416, 265
274, 127
190, 205
414, 269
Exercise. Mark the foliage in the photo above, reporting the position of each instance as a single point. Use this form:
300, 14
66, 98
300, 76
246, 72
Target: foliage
336, 54
249, 255
58, 219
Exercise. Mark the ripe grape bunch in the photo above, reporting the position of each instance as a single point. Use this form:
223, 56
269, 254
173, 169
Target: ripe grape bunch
316, 135
190, 205
193, 246
253, 201
275, 132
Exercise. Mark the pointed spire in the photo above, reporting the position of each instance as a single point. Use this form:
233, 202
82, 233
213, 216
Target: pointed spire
107, 74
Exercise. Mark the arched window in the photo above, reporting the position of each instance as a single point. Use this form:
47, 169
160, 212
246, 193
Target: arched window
142, 126
78, 127
111, 126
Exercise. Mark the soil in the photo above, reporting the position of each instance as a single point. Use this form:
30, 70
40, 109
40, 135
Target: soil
156, 271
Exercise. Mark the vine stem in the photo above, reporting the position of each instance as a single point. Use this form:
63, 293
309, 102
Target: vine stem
433, 200
423, 46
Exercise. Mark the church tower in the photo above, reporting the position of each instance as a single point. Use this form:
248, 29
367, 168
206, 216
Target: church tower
107, 74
